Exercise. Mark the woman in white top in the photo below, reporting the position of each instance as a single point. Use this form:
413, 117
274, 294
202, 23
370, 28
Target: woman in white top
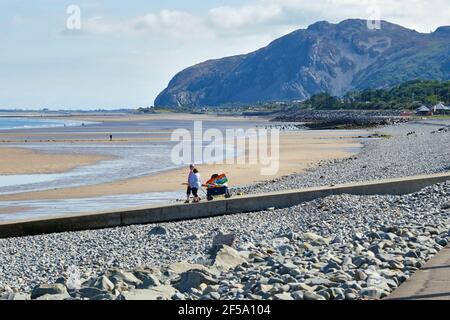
195, 183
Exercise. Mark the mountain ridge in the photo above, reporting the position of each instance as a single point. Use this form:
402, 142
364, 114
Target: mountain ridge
325, 57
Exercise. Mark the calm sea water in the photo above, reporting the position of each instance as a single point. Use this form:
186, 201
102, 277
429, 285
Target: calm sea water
9, 123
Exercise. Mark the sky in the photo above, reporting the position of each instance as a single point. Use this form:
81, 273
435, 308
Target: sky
111, 54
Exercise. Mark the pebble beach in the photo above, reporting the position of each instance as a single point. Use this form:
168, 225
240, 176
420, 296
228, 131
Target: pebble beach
339, 247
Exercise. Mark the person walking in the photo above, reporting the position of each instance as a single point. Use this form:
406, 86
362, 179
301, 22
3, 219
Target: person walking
189, 190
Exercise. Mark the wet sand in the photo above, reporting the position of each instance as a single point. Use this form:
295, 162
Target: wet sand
12, 210
24, 161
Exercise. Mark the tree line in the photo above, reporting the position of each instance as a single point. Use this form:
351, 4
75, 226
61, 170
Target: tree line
409, 95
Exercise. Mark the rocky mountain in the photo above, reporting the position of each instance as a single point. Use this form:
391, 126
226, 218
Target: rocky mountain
325, 57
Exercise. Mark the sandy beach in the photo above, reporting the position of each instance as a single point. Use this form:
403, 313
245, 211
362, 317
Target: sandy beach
23, 161
298, 151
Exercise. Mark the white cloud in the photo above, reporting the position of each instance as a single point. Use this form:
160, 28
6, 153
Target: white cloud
176, 24
417, 14
170, 22
272, 16
245, 16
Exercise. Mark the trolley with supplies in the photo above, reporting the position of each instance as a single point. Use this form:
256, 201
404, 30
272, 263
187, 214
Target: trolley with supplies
217, 186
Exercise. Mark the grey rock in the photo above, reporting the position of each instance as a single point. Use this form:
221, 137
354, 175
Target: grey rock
49, 289
158, 231
104, 296
193, 279
358, 261
351, 296
274, 280
316, 239
192, 237
227, 258
297, 295
180, 267
90, 292
412, 254
285, 248
330, 267
224, 239
178, 296
316, 281
54, 297
312, 296
324, 293
300, 287
396, 265
125, 276
211, 288
283, 296
373, 293
104, 284
157, 293
336, 293
148, 278
215, 295
376, 248
14, 296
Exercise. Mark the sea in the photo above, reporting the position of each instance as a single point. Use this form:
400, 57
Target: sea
10, 123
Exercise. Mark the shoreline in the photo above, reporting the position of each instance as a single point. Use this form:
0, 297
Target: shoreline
298, 152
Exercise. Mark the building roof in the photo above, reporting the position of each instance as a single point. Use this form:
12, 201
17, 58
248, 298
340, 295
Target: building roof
440, 106
423, 109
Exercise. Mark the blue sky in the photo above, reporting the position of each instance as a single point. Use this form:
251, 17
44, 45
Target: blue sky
127, 51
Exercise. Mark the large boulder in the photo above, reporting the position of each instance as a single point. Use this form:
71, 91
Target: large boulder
193, 279
129, 278
104, 284
228, 258
224, 239
149, 278
14, 296
315, 239
180, 267
155, 293
49, 289
89, 293
54, 297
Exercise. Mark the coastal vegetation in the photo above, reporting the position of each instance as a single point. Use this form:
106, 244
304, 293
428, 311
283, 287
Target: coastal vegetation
409, 95
406, 96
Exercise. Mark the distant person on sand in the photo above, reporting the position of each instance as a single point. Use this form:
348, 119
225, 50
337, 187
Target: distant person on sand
189, 190
195, 183
110, 137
